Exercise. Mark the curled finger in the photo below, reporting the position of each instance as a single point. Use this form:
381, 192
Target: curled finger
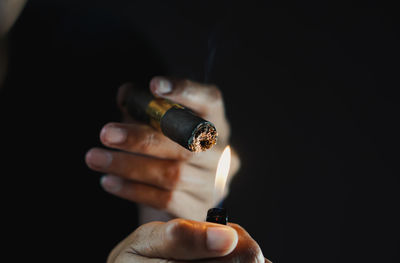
142, 139
157, 172
136, 192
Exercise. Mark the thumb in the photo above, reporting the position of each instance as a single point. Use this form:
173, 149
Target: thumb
181, 239
201, 98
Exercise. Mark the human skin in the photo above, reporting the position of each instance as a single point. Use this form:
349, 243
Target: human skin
188, 184
148, 168
9, 11
181, 240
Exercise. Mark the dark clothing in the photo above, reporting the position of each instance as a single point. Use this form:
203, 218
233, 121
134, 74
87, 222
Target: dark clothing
310, 94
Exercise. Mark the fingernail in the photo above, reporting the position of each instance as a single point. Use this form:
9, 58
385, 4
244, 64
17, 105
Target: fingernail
111, 183
161, 86
221, 238
99, 158
113, 134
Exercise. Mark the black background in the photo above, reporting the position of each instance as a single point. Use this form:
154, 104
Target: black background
310, 91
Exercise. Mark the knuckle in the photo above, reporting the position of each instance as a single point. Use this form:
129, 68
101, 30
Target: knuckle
215, 93
151, 247
135, 238
189, 87
186, 83
175, 224
140, 240
172, 174
189, 92
148, 141
141, 232
163, 199
214, 97
185, 154
178, 229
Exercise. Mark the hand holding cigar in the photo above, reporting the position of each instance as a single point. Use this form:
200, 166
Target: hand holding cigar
145, 166
174, 120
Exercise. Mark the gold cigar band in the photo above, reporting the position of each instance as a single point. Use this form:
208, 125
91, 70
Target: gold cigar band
157, 109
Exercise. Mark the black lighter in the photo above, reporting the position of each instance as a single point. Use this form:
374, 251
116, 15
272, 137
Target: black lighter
217, 215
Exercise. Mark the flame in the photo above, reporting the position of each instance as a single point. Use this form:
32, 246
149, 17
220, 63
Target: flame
221, 175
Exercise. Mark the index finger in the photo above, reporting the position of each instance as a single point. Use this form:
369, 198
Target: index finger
142, 139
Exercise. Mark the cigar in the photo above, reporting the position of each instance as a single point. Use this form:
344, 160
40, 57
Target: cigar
217, 215
175, 121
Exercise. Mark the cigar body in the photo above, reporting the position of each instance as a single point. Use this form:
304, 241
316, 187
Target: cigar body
175, 121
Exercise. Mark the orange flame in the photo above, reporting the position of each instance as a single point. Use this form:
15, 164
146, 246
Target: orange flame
221, 175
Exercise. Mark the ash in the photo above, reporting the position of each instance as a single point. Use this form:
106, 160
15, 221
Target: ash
204, 138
